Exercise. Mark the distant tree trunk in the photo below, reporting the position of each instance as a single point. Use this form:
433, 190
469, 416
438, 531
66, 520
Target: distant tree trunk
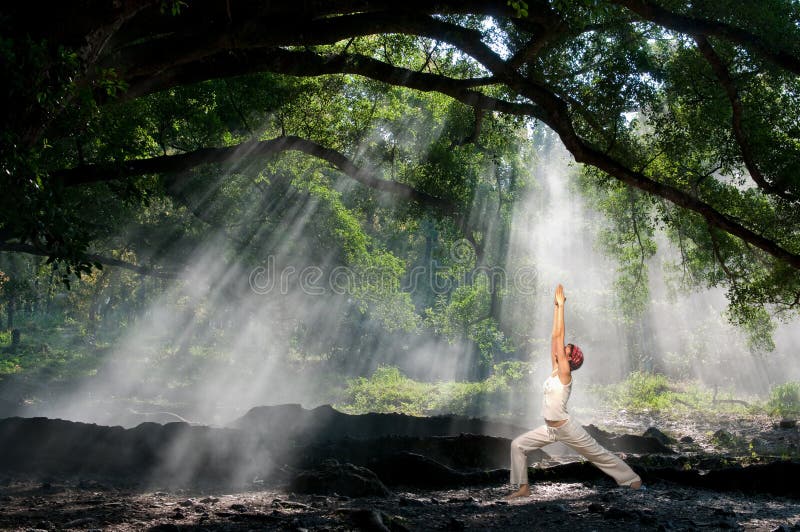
94, 304
49, 294
36, 300
15, 338
10, 308
141, 300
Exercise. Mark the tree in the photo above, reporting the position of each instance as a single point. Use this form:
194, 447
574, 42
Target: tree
715, 86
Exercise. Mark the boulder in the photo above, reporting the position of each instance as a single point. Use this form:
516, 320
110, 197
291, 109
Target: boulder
343, 479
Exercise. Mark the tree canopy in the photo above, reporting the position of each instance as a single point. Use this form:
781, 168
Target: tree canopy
684, 114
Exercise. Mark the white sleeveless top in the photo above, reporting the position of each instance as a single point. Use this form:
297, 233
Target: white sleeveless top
554, 405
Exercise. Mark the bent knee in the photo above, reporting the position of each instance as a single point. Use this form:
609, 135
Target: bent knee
517, 445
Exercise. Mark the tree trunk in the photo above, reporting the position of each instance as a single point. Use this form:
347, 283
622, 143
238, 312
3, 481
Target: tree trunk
10, 309
49, 294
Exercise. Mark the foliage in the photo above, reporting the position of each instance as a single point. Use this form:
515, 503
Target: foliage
641, 391
655, 393
784, 400
388, 390
632, 90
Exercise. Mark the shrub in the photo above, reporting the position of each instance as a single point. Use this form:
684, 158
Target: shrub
784, 400
640, 391
388, 390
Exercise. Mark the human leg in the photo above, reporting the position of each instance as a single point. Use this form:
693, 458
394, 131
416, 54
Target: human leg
524, 444
572, 434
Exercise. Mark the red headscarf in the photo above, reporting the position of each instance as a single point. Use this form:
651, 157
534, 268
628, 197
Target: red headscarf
575, 358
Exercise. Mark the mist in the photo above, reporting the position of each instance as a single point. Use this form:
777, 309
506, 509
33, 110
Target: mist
234, 332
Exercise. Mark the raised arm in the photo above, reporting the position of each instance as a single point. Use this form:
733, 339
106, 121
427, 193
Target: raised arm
557, 339
558, 350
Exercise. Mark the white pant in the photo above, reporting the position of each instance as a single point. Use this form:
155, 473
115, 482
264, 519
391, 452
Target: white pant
572, 434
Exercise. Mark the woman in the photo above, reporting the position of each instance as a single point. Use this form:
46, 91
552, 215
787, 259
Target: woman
559, 426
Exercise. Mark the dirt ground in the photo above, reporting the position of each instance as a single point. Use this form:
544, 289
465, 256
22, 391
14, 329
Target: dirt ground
557, 506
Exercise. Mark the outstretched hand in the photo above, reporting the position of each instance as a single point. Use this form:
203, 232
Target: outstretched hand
560, 297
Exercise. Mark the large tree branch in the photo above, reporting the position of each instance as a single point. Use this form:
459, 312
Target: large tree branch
307, 63
724, 77
652, 12
108, 261
558, 118
177, 164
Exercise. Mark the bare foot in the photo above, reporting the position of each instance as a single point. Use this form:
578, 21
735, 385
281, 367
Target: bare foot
523, 491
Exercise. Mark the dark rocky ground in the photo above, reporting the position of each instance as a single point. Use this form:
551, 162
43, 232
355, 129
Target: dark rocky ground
285, 468
554, 505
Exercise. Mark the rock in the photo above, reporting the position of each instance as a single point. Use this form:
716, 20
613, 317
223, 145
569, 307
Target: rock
647, 518
723, 438
280, 503
687, 439
656, 434
618, 513
292, 421
365, 519
455, 500
627, 443
297, 526
333, 477
187, 502
164, 527
238, 507
81, 522
455, 524
596, 508
408, 501
413, 469
787, 423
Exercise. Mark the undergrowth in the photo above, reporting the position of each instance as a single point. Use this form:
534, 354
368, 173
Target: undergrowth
784, 400
389, 390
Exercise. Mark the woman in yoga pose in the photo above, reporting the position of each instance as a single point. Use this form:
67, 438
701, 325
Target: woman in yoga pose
559, 426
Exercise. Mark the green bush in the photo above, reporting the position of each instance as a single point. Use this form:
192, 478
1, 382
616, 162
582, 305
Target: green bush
784, 400
388, 390
9, 366
656, 393
640, 391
